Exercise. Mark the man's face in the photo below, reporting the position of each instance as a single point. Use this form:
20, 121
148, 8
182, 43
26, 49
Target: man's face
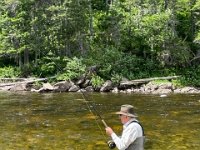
124, 118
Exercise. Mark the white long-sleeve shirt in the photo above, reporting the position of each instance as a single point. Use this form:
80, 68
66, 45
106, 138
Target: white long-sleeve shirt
131, 131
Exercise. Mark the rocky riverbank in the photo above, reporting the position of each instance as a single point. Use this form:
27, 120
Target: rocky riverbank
142, 86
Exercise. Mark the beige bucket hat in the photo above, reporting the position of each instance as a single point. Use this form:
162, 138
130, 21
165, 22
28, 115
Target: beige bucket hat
127, 110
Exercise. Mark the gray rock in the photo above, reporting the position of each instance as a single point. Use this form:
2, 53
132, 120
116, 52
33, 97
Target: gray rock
107, 86
86, 83
62, 86
18, 87
74, 88
89, 89
115, 90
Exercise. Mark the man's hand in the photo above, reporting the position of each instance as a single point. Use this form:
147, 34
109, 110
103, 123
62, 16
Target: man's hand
109, 131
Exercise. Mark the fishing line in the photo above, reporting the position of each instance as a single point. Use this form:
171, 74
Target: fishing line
95, 113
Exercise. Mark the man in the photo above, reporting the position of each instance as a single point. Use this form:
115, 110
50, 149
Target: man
133, 135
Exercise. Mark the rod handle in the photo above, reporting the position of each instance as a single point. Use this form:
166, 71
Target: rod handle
104, 123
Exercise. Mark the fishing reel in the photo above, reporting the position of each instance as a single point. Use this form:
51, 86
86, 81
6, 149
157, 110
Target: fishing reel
111, 144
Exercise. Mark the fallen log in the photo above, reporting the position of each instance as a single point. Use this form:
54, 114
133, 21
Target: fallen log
25, 81
13, 79
146, 80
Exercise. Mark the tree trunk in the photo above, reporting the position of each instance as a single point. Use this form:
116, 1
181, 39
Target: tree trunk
91, 20
26, 56
166, 4
20, 60
192, 19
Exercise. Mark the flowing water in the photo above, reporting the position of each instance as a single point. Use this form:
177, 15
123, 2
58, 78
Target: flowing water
62, 121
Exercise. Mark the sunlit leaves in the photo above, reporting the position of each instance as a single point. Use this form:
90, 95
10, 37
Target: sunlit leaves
196, 9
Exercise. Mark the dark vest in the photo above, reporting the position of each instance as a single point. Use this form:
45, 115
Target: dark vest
138, 144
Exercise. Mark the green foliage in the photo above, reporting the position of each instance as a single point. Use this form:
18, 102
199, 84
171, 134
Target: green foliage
9, 72
160, 81
126, 39
64, 76
73, 69
96, 81
191, 76
196, 10
48, 68
116, 78
117, 63
177, 83
49, 65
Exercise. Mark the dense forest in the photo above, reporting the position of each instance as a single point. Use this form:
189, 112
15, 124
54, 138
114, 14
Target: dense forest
130, 39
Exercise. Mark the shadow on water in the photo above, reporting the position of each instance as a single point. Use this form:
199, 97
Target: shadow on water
56, 121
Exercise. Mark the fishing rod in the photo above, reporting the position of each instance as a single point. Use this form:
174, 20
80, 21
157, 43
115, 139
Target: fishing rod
110, 143
96, 112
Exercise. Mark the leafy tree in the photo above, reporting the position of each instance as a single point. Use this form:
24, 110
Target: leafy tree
127, 38
196, 10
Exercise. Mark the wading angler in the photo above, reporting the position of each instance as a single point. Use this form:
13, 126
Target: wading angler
132, 137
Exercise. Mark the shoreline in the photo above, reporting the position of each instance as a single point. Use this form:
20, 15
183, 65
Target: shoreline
142, 86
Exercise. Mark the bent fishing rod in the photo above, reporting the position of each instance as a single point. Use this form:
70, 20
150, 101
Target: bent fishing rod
110, 143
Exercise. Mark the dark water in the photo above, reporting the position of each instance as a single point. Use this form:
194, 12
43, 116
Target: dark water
61, 121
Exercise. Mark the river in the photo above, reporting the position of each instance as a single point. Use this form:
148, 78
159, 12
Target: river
62, 121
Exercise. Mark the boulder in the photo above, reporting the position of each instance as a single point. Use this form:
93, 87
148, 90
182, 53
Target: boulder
85, 84
62, 86
89, 89
80, 80
19, 87
47, 87
74, 88
107, 86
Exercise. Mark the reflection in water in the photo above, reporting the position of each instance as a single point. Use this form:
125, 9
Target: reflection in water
62, 121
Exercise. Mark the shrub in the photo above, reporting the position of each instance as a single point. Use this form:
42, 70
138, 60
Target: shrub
9, 72
73, 69
96, 81
191, 76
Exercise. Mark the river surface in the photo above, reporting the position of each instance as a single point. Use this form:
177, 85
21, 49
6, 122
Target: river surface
62, 121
